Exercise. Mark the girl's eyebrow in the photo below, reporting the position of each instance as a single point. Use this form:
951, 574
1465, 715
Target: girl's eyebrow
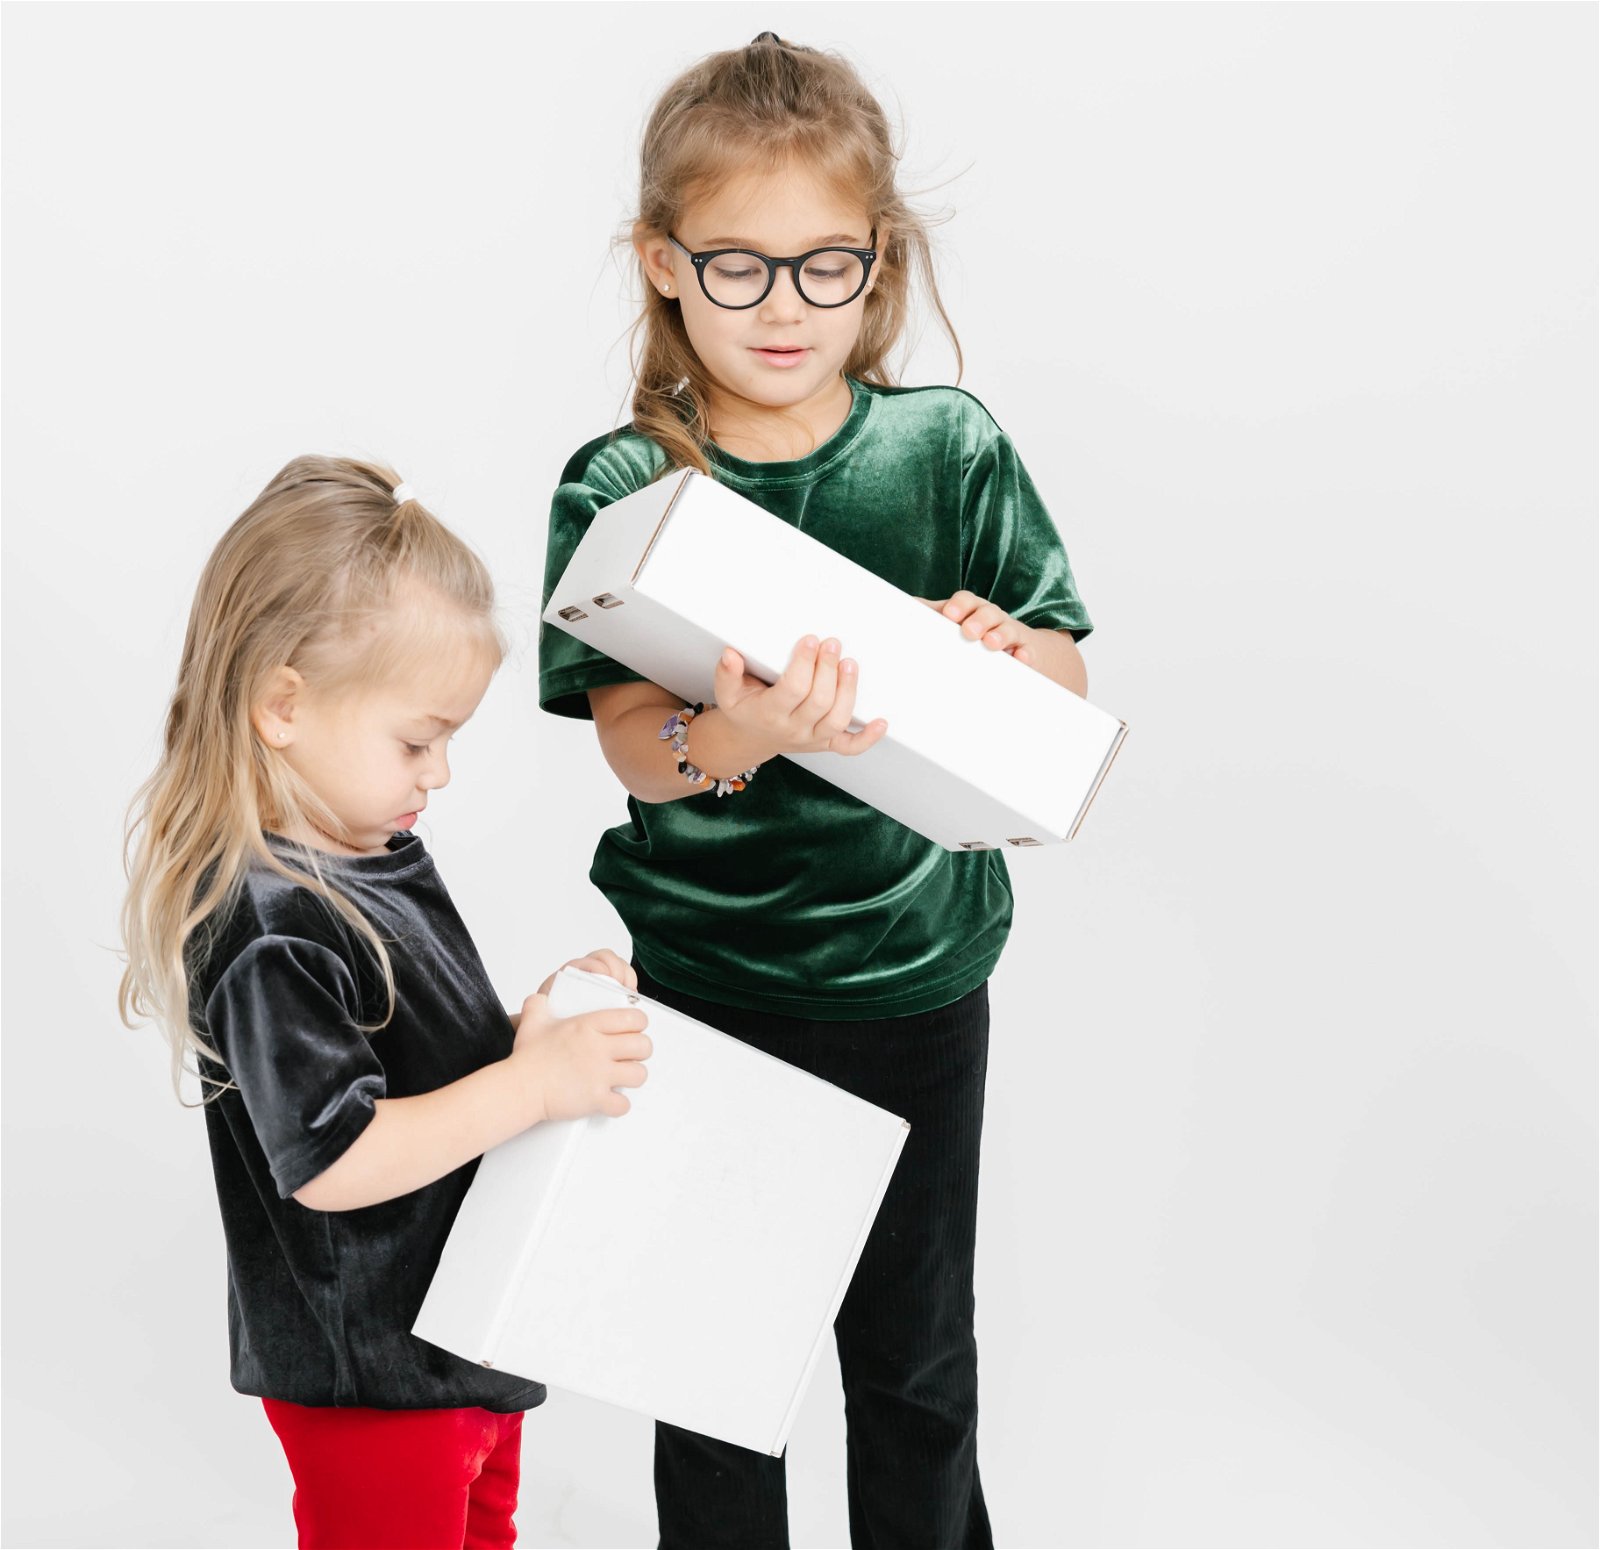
444, 723
848, 238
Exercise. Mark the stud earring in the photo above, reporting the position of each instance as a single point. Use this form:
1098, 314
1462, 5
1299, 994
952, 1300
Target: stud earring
282, 735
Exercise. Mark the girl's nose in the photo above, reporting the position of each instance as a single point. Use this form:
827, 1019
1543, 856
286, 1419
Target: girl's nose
783, 302
436, 774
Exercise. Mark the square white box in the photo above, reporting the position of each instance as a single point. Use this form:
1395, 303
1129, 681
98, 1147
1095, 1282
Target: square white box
981, 751
684, 1260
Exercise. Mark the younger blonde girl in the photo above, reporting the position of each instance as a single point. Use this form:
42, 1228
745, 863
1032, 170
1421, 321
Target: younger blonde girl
293, 938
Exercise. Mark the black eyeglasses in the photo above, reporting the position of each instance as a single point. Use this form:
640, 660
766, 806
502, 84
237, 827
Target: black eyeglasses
737, 278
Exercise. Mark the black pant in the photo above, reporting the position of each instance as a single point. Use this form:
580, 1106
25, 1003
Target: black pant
907, 1354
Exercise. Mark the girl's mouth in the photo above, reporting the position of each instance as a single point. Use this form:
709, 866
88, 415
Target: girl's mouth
790, 355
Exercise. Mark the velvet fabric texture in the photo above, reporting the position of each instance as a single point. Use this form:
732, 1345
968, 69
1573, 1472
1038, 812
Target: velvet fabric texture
401, 1479
908, 1356
321, 1303
792, 896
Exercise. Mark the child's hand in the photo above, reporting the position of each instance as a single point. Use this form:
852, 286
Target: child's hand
806, 711
601, 961
576, 1061
988, 622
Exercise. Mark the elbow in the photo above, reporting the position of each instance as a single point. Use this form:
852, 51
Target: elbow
329, 1192
609, 754
316, 1196
627, 785
619, 768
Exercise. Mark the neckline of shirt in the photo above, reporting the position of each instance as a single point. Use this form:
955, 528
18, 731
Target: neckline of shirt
405, 853
818, 460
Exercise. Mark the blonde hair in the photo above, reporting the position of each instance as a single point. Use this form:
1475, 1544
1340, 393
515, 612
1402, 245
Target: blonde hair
311, 576
766, 106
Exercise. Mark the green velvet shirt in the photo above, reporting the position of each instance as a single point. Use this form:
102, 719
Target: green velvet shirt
792, 896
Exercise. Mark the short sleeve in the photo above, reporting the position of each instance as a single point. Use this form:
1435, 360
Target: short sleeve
568, 668
1011, 552
283, 1016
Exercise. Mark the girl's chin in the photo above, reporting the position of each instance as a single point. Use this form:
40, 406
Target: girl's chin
787, 389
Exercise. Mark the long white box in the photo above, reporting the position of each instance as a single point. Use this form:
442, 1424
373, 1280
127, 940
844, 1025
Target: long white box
685, 1260
981, 751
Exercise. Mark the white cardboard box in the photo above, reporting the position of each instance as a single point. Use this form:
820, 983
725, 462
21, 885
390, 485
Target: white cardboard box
981, 751
685, 1260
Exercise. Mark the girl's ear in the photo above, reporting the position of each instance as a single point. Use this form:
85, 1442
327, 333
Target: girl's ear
273, 714
884, 233
656, 254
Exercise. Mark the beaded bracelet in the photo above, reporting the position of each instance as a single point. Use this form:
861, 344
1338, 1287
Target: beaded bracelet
676, 728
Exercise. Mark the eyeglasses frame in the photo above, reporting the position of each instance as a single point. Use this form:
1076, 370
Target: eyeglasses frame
867, 255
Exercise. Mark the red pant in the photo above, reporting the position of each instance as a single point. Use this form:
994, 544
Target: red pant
401, 1479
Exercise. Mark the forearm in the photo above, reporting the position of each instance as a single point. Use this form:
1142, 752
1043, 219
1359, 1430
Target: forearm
1055, 654
644, 761
413, 1141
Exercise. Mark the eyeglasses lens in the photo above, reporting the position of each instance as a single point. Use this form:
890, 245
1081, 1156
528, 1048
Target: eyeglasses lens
827, 279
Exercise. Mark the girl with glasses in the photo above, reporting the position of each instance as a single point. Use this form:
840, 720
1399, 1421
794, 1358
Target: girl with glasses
778, 257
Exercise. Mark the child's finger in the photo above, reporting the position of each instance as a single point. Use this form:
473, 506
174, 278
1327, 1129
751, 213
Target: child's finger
628, 1073
535, 1011
616, 1019
824, 684
851, 743
629, 1046
960, 604
981, 620
795, 682
838, 715
603, 961
727, 682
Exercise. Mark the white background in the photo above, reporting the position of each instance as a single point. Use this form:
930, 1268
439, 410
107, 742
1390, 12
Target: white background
1288, 1195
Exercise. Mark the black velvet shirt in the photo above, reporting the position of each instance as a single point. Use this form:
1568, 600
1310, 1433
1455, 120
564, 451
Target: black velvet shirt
321, 1303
